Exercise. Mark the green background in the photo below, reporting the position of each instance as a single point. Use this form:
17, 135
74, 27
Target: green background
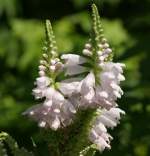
126, 24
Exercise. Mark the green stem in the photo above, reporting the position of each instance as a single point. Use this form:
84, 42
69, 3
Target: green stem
78, 135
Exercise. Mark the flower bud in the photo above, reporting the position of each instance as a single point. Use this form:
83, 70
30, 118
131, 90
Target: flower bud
87, 52
53, 62
42, 124
58, 65
104, 40
41, 73
42, 68
43, 62
52, 68
106, 45
44, 48
101, 58
45, 55
100, 45
57, 59
53, 53
99, 53
107, 51
88, 46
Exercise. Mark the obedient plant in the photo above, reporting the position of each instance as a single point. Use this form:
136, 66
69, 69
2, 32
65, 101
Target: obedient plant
69, 84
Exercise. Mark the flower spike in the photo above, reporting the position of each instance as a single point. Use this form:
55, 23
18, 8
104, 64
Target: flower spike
97, 24
50, 38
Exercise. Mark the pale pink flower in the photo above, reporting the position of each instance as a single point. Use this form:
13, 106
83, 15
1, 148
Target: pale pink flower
42, 84
98, 134
73, 64
87, 91
54, 113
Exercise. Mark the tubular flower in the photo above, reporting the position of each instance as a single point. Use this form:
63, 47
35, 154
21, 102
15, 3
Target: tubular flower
42, 85
107, 119
103, 94
73, 64
55, 112
109, 90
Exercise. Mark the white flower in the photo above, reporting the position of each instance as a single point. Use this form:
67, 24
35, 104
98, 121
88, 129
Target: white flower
87, 89
42, 84
72, 64
74, 70
68, 88
109, 90
55, 112
110, 118
72, 59
92, 94
98, 134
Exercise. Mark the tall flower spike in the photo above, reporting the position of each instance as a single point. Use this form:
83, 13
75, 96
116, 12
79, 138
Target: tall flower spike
101, 44
100, 88
50, 62
55, 111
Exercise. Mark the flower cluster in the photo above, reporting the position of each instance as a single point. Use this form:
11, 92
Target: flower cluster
107, 119
99, 89
56, 111
94, 83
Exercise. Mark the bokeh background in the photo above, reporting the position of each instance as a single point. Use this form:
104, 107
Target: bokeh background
126, 25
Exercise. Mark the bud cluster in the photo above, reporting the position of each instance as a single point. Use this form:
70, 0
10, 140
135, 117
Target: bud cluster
104, 51
87, 51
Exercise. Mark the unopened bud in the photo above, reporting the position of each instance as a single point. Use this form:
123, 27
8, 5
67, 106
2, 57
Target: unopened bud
42, 68
104, 40
87, 52
45, 55
88, 45
106, 45
99, 53
53, 53
53, 62
42, 124
41, 73
43, 62
44, 48
52, 68
57, 59
100, 45
101, 58
101, 30
108, 50
58, 65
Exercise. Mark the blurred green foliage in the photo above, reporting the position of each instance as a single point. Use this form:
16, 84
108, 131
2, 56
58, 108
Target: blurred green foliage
127, 26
